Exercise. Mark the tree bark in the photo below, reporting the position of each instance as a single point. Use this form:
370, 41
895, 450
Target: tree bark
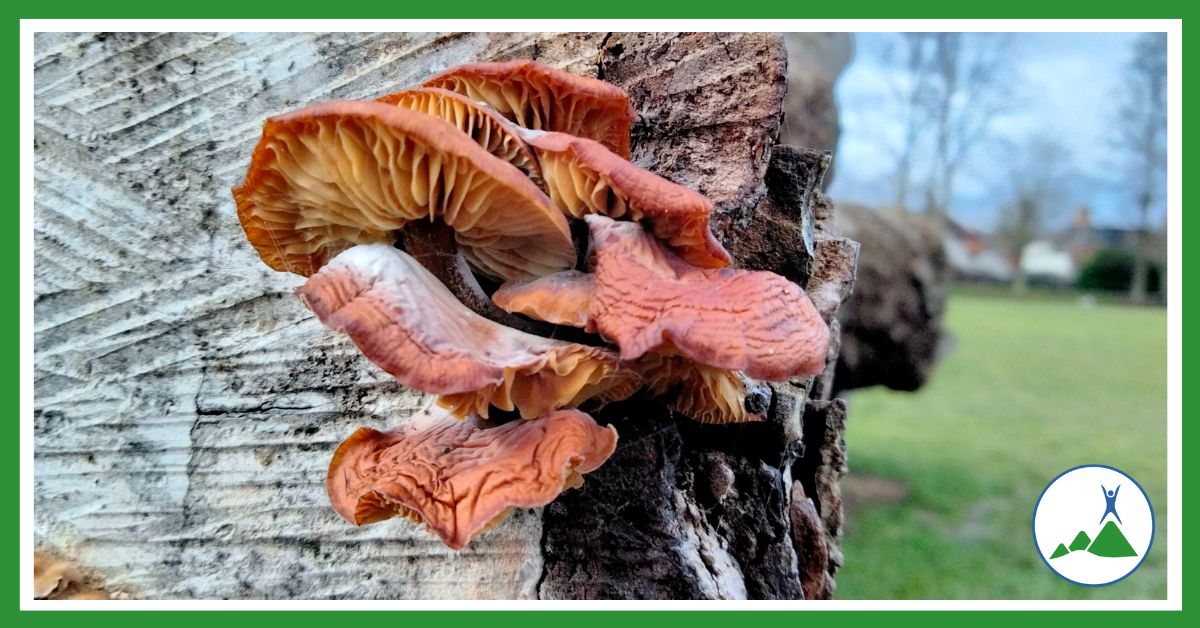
186, 405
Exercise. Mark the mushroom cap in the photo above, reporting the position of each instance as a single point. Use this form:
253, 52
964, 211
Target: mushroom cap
406, 322
458, 478
583, 177
647, 299
703, 393
330, 176
561, 298
537, 96
482, 124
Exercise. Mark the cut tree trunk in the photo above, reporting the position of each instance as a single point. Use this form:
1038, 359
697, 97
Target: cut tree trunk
892, 325
186, 404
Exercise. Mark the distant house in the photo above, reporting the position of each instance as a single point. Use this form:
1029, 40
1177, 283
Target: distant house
1082, 239
1043, 261
1055, 259
974, 256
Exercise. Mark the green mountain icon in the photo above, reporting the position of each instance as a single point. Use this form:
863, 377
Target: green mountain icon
1110, 543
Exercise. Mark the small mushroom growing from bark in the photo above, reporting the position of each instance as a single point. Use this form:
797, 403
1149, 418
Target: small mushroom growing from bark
411, 326
330, 176
57, 578
561, 298
458, 478
537, 96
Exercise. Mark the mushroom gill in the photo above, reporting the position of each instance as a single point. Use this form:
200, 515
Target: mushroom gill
330, 176
478, 121
702, 393
537, 96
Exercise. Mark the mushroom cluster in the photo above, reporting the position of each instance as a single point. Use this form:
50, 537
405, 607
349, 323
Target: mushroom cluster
434, 226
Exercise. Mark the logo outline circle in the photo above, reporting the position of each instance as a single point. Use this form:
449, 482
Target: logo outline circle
1145, 554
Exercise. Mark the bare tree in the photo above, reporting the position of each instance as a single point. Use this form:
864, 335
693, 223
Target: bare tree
918, 52
951, 86
971, 88
1037, 179
1142, 134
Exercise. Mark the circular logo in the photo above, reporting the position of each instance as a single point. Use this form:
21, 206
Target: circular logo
1093, 525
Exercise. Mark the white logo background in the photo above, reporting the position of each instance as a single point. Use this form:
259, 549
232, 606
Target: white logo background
1074, 502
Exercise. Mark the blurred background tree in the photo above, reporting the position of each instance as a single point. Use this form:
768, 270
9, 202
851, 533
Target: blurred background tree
1142, 137
1036, 172
952, 86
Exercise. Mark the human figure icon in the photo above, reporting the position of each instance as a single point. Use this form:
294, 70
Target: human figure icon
1110, 503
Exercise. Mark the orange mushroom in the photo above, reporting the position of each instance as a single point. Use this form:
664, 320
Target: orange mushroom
478, 121
458, 478
704, 393
537, 96
328, 177
561, 298
585, 178
411, 326
647, 299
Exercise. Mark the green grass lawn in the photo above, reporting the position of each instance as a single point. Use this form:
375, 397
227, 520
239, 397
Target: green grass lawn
1030, 388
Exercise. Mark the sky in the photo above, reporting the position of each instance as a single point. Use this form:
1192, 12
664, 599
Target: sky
1063, 86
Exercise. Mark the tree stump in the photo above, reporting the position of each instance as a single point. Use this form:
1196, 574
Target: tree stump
186, 404
892, 326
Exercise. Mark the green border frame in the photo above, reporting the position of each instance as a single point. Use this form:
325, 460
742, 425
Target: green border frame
699, 9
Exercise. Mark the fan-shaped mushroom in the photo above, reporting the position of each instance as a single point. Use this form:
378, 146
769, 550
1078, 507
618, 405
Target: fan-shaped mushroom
330, 176
583, 177
478, 121
460, 479
411, 326
648, 299
704, 393
537, 96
